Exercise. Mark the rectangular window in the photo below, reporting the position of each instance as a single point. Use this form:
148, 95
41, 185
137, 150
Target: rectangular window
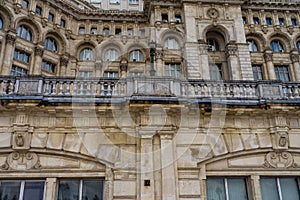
38, 10
226, 188
281, 21
215, 71
80, 189
255, 20
257, 72
22, 189
85, 74
51, 17
18, 71
294, 22
62, 23
21, 56
49, 67
279, 188
282, 73
111, 75
268, 21
173, 70
133, 1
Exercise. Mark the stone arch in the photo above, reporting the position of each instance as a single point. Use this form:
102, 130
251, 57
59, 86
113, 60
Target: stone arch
282, 37
259, 39
35, 28
60, 39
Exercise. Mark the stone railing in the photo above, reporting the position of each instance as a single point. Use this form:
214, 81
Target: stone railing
142, 87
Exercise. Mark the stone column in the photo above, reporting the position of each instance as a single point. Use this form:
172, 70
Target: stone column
159, 68
204, 62
8, 55
64, 60
255, 185
169, 166
296, 65
270, 66
37, 68
50, 192
147, 169
233, 62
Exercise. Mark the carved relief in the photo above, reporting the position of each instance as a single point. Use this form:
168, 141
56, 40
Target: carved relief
279, 160
21, 161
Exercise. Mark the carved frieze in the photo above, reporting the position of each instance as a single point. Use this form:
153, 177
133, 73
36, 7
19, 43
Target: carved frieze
279, 160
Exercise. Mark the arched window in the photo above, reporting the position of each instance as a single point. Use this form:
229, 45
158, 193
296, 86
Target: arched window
50, 44
111, 55
213, 45
276, 46
24, 32
86, 54
1, 23
171, 43
136, 56
252, 45
298, 46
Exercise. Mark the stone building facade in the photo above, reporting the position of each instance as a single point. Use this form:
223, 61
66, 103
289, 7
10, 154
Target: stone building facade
149, 100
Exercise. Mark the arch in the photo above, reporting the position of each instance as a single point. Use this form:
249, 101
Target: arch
60, 39
283, 38
7, 17
171, 34
34, 27
219, 29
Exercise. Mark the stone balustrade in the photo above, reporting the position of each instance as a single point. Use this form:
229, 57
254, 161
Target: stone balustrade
27, 87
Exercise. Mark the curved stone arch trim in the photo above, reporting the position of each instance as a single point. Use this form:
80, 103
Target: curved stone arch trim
259, 39
35, 28
60, 39
171, 33
284, 38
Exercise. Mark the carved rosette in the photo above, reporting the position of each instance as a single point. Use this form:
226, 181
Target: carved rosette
10, 39
279, 160
268, 57
39, 51
21, 161
295, 58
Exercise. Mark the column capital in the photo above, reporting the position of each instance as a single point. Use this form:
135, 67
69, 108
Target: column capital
10, 38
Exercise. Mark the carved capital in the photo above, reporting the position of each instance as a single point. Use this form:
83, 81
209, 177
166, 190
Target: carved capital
268, 57
294, 58
11, 39
39, 51
64, 60
231, 50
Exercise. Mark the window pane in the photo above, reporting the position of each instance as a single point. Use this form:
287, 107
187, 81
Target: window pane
269, 189
289, 189
215, 189
9, 190
237, 189
92, 190
33, 191
68, 189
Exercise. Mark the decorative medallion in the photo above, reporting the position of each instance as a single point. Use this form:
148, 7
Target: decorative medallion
213, 13
279, 160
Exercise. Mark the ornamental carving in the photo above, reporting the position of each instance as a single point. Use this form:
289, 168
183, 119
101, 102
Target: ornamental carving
11, 39
279, 160
212, 13
21, 161
295, 58
268, 57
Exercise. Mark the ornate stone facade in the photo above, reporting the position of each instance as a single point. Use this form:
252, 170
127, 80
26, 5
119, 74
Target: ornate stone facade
151, 100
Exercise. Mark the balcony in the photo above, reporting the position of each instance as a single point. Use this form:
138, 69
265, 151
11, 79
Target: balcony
66, 89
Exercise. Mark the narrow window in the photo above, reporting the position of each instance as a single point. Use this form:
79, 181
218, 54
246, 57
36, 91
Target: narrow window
282, 73
257, 72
